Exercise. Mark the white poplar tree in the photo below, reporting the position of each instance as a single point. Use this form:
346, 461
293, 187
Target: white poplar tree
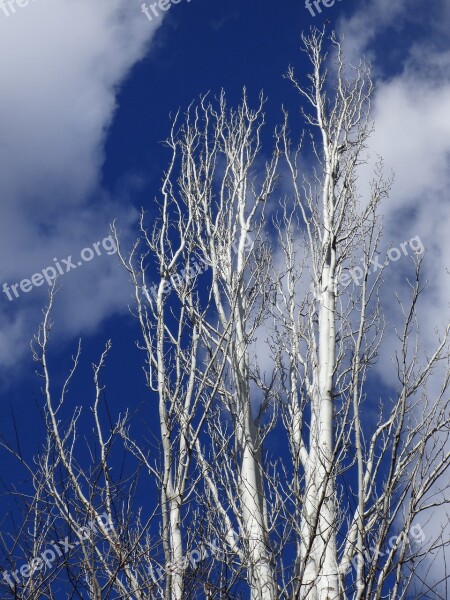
231, 272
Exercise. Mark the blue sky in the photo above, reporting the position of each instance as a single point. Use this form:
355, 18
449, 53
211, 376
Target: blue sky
87, 89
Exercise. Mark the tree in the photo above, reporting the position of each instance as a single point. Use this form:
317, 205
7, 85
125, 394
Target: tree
331, 516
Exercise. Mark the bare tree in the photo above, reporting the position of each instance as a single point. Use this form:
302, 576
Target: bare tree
334, 337
222, 205
330, 516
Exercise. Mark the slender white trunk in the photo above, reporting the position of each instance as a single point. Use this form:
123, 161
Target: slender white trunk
319, 527
177, 567
172, 540
260, 572
251, 493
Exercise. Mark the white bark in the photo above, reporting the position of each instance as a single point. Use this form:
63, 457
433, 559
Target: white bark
218, 487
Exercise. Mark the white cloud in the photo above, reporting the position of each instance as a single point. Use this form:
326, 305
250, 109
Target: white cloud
412, 134
62, 64
366, 23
